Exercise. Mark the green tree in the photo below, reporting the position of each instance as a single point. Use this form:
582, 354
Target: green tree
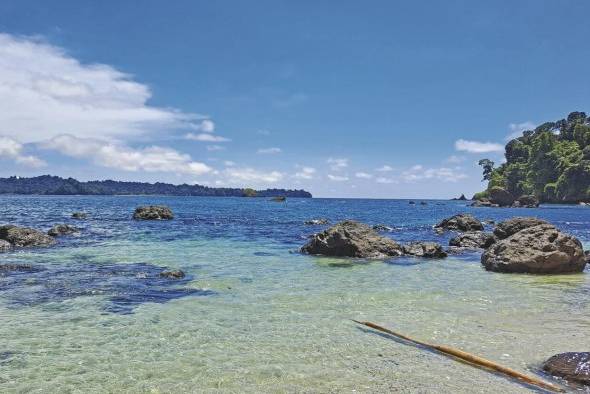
487, 166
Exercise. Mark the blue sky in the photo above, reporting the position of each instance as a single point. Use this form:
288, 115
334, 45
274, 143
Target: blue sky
382, 99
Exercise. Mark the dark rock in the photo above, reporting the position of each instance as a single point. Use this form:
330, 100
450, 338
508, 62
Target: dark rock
528, 201
514, 225
460, 222
16, 267
62, 229
79, 215
382, 228
176, 274
541, 249
462, 198
153, 212
485, 203
4, 245
489, 221
423, 203
352, 239
424, 249
317, 222
501, 196
572, 366
411, 203
24, 237
473, 240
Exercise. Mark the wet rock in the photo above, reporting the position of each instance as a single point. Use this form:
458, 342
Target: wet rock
501, 196
527, 201
176, 274
317, 222
4, 245
423, 203
489, 221
512, 226
16, 267
79, 215
24, 236
352, 239
62, 229
572, 366
153, 212
382, 228
411, 203
485, 203
461, 222
473, 240
424, 249
541, 249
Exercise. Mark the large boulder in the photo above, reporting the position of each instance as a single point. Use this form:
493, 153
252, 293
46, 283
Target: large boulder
460, 222
352, 239
541, 249
527, 201
572, 366
424, 249
512, 226
24, 236
153, 212
501, 196
473, 240
62, 229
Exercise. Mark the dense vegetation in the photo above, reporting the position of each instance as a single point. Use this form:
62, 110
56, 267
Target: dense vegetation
551, 162
48, 184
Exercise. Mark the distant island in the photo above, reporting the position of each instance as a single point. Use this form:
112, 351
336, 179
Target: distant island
550, 163
54, 185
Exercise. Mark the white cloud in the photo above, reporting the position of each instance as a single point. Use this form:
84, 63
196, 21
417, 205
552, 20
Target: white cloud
213, 148
250, 175
445, 174
305, 173
478, 147
269, 151
384, 168
384, 180
516, 129
204, 137
337, 164
206, 126
113, 155
12, 149
455, 159
45, 92
229, 163
363, 175
337, 178
263, 132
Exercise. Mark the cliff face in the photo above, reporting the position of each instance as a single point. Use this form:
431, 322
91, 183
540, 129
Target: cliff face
48, 184
551, 162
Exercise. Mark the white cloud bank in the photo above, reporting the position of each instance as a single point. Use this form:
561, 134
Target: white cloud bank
337, 178
248, 176
478, 147
445, 174
363, 175
337, 164
12, 149
305, 173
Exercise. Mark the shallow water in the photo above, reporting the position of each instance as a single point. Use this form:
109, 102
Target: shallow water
252, 315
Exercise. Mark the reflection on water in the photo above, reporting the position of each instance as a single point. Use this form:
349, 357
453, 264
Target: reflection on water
252, 316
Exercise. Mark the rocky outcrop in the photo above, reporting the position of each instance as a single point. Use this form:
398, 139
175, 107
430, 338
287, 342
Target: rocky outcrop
79, 215
485, 203
317, 222
526, 201
540, 249
424, 249
572, 366
352, 239
62, 229
512, 226
24, 237
175, 274
153, 212
5, 245
461, 198
473, 240
461, 222
501, 196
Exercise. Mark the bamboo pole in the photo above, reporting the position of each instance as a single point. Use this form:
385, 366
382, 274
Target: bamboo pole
470, 358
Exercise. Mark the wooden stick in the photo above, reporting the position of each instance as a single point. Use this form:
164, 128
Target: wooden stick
470, 358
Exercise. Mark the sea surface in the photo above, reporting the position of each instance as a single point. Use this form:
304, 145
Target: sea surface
92, 314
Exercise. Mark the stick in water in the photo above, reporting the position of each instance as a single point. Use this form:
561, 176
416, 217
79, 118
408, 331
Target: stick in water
470, 358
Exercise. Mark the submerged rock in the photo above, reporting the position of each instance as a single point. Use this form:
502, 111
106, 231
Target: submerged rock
62, 229
16, 267
382, 228
79, 215
4, 245
572, 366
176, 274
473, 240
317, 222
352, 239
512, 226
460, 222
424, 249
541, 249
24, 236
153, 212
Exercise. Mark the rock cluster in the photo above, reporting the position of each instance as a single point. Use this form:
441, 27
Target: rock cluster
460, 222
24, 237
499, 197
424, 249
153, 212
62, 229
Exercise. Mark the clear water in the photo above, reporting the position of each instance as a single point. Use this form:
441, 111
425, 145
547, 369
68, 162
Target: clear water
253, 315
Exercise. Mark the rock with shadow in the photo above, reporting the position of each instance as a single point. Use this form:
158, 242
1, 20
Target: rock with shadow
424, 249
153, 212
571, 366
62, 229
460, 222
473, 240
24, 237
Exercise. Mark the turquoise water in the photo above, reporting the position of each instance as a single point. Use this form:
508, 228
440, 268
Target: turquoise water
253, 315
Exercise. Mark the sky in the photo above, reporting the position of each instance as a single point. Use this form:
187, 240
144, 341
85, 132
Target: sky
379, 99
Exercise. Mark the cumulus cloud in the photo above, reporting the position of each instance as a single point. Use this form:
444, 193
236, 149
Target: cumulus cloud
252, 176
516, 129
337, 164
206, 137
45, 92
384, 168
305, 173
385, 180
114, 155
363, 175
478, 147
337, 178
269, 151
206, 126
445, 174
12, 149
